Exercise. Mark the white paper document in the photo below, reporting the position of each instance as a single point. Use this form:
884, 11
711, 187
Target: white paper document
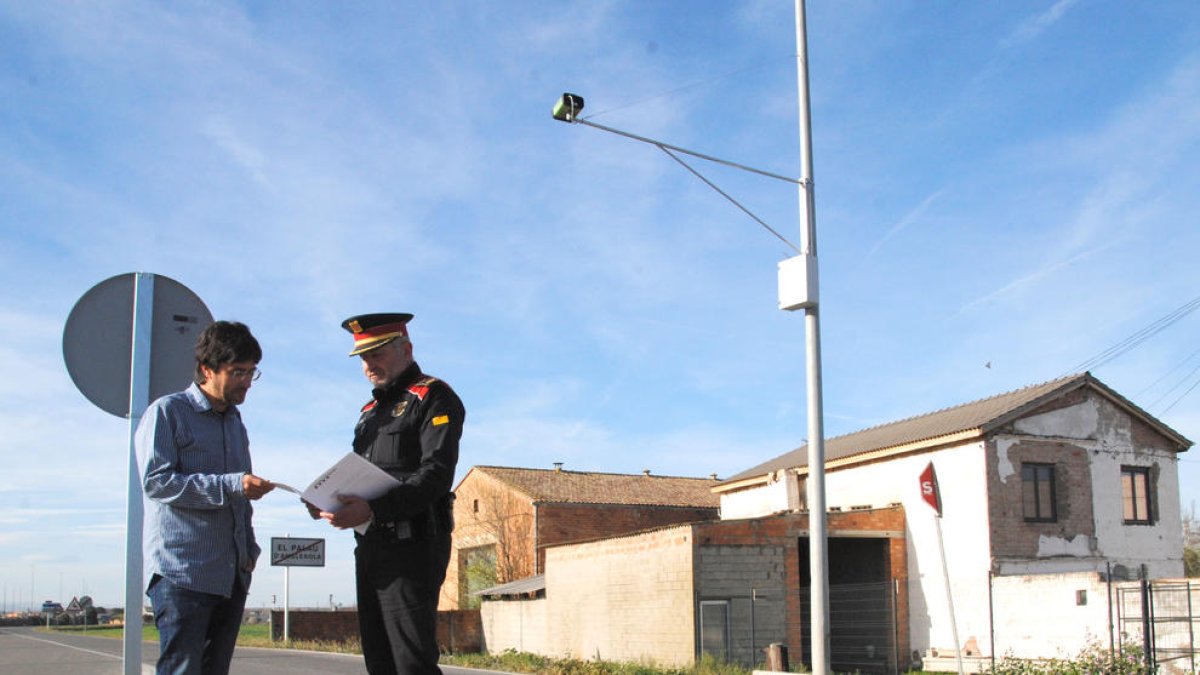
351, 476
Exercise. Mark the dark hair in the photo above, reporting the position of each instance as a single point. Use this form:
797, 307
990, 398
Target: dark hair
225, 342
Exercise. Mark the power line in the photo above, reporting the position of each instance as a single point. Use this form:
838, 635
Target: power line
1137, 338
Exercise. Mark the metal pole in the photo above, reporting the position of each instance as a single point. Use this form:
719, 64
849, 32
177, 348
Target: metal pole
139, 399
1109, 588
1191, 630
287, 587
949, 598
991, 618
817, 539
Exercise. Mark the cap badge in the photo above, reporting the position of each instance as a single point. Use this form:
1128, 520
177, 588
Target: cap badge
355, 326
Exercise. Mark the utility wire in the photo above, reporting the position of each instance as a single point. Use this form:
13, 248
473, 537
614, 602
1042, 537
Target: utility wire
1137, 338
1183, 380
1189, 390
1167, 374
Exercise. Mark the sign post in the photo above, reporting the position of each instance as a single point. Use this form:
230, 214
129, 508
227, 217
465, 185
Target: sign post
933, 496
128, 341
289, 553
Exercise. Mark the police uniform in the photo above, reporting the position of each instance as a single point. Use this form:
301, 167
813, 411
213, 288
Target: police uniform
411, 429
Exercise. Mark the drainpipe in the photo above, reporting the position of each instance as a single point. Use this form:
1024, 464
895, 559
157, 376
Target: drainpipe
536, 553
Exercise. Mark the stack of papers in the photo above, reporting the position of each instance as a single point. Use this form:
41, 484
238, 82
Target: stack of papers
351, 476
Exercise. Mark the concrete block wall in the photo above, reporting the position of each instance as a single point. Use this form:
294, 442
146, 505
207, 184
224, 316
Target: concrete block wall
628, 598
518, 624
782, 535
752, 579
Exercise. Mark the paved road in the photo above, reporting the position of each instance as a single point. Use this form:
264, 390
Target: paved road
25, 651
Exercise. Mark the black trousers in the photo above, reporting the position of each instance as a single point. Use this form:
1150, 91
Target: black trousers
398, 583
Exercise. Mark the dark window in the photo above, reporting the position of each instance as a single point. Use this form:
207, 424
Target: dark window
1037, 493
714, 628
1135, 494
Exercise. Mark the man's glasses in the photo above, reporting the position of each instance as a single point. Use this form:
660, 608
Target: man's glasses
240, 374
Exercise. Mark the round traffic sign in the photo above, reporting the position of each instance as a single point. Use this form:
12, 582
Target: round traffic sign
98, 340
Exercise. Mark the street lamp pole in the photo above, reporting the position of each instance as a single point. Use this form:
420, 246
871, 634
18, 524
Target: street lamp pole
818, 545
798, 289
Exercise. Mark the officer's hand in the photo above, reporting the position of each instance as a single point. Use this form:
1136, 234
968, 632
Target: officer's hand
354, 512
254, 487
313, 512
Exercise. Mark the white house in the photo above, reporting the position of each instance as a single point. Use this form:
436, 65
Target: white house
1049, 494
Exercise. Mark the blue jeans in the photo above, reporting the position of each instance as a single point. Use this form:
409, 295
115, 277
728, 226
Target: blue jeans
196, 631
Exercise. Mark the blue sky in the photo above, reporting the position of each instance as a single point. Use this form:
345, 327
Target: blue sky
1003, 183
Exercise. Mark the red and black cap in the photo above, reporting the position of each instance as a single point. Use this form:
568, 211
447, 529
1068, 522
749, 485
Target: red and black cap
376, 330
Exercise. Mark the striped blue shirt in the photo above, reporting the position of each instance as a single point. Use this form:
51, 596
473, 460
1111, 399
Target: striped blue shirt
197, 523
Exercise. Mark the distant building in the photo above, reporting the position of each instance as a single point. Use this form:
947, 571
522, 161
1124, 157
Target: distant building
505, 518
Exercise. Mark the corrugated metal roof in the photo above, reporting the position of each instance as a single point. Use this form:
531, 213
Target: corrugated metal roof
588, 487
524, 586
982, 415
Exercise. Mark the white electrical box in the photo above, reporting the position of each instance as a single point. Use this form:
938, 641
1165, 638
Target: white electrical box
798, 283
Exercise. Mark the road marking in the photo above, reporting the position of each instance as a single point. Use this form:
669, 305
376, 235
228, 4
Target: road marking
60, 644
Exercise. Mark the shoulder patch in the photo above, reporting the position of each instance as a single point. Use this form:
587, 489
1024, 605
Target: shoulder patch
421, 387
370, 404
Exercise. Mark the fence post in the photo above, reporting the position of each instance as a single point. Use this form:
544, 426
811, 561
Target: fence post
1147, 638
777, 658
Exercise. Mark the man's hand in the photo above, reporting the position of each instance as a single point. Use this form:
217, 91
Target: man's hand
354, 512
254, 487
313, 511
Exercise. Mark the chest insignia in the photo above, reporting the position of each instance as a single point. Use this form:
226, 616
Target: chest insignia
400, 408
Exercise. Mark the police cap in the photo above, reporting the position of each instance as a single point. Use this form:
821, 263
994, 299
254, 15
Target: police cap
376, 330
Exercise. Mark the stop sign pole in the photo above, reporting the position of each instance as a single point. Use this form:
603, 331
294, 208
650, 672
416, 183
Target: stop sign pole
139, 399
129, 340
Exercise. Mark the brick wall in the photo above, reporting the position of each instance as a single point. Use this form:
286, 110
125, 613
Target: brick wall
457, 631
1012, 536
487, 513
573, 523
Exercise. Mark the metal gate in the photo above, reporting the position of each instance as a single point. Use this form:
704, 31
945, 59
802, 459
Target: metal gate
1163, 618
862, 627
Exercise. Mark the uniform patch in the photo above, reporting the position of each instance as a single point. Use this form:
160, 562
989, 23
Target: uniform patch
399, 409
370, 404
440, 420
421, 387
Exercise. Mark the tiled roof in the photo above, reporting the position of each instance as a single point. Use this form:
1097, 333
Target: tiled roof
983, 415
586, 487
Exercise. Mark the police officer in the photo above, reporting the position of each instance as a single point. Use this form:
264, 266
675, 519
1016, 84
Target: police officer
411, 429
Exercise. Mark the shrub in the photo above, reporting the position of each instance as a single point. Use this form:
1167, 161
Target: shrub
1093, 658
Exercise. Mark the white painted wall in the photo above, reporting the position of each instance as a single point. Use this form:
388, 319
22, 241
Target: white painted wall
1038, 616
962, 480
515, 624
778, 496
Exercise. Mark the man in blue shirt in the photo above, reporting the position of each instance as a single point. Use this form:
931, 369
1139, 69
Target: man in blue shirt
194, 455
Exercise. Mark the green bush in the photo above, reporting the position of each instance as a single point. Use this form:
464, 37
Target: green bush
1092, 659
